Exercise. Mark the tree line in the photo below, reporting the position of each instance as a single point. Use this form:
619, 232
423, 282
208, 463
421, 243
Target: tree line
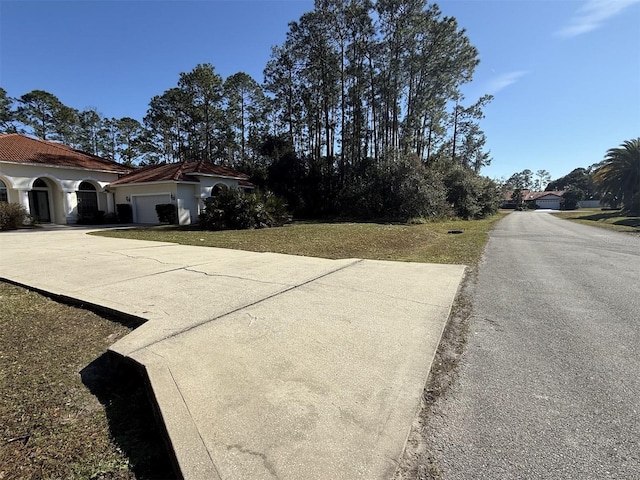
361, 112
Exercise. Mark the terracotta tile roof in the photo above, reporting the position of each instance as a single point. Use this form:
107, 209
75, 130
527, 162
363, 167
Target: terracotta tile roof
22, 149
178, 172
529, 195
508, 196
537, 195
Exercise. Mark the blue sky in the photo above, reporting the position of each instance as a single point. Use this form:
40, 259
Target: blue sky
565, 74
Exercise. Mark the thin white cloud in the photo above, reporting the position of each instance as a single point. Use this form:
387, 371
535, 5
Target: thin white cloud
503, 81
593, 14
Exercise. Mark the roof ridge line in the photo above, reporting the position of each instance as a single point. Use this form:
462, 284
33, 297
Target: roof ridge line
51, 143
179, 171
65, 148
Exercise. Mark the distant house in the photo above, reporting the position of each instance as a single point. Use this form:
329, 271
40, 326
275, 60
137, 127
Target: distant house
548, 200
58, 184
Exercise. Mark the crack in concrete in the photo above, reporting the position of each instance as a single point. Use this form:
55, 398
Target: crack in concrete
191, 268
119, 282
242, 307
136, 257
186, 269
236, 277
265, 461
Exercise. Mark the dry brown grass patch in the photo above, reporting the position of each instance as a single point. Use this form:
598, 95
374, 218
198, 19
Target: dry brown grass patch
65, 413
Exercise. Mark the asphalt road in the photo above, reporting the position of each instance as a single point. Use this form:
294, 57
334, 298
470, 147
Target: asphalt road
549, 386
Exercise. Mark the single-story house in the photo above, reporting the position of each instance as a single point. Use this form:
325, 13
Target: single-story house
55, 183
185, 184
551, 200
58, 184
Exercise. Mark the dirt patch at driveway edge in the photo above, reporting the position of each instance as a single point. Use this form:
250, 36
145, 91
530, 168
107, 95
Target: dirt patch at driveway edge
418, 461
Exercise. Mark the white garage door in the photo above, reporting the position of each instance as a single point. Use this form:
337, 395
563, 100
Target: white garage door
551, 203
145, 207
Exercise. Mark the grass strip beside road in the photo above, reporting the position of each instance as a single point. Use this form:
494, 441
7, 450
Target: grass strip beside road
428, 243
65, 413
610, 219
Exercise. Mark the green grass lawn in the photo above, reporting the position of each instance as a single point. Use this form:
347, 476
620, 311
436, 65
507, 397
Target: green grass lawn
64, 413
611, 219
429, 242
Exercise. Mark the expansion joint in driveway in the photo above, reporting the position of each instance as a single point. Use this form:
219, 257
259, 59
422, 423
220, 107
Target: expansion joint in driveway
194, 425
247, 305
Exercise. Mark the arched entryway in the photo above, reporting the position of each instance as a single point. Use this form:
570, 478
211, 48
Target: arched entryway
39, 201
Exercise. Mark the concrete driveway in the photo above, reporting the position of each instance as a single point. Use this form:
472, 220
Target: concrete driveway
263, 365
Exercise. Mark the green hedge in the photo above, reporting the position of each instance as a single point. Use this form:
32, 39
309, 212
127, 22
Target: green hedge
167, 213
125, 214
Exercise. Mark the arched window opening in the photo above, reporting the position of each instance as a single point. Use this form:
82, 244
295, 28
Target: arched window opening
39, 183
215, 191
4, 196
87, 199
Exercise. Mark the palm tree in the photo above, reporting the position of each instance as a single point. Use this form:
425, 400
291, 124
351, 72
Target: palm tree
618, 175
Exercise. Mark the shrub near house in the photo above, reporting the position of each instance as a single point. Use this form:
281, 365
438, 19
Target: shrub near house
167, 213
12, 215
231, 208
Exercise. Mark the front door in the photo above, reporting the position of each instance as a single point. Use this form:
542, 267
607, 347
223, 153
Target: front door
39, 205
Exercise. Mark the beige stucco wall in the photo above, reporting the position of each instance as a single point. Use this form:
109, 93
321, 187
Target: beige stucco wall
207, 183
62, 183
187, 200
124, 191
